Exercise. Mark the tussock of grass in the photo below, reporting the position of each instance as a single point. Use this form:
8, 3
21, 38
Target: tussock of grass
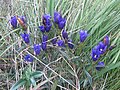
62, 69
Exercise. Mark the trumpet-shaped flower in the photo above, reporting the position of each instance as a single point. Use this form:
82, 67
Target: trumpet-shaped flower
100, 65
28, 58
25, 37
54, 40
57, 17
13, 22
44, 38
62, 23
70, 44
95, 54
48, 27
42, 28
64, 34
61, 43
37, 49
44, 46
46, 19
102, 47
83, 35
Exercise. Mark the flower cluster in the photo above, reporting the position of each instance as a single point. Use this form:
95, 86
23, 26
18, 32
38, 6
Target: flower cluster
45, 27
46, 23
58, 19
64, 41
18, 20
99, 50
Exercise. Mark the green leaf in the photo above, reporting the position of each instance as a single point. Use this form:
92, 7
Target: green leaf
88, 77
108, 68
85, 82
50, 6
33, 82
54, 85
18, 84
36, 74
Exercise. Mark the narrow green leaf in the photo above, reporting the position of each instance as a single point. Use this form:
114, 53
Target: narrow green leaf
108, 68
85, 82
33, 82
50, 6
37, 74
18, 84
54, 85
89, 77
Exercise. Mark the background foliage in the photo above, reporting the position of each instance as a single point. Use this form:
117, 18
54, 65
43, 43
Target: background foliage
58, 68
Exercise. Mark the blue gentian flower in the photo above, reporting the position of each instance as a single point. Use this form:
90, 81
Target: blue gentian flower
44, 45
25, 37
42, 28
46, 22
54, 40
37, 49
62, 23
64, 34
48, 27
13, 22
95, 54
57, 17
100, 65
112, 47
102, 47
59, 20
70, 44
61, 43
44, 38
28, 58
106, 40
46, 19
83, 35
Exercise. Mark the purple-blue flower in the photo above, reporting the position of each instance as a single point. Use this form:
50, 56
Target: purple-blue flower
83, 35
100, 65
95, 54
37, 49
13, 22
25, 37
57, 17
102, 47
48, 27
59, 20
112, 47
44, 46
70, 44
44, 38
47, 22
42, 28
46, 19
28, 58
61, 43
64, 34
62, 23
106, 40
54, 40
